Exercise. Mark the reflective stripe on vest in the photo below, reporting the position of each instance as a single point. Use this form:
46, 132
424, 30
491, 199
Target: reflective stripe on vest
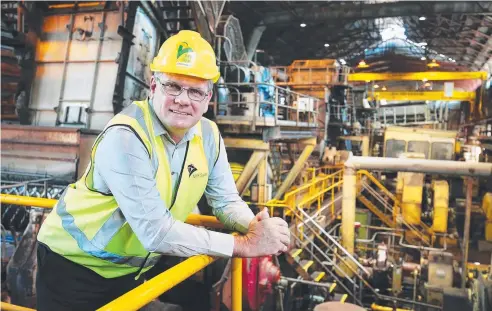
95, 247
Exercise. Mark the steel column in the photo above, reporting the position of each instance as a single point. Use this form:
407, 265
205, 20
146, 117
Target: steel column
466, 232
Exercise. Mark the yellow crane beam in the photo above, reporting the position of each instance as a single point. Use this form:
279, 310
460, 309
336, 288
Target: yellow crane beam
426, 95
417, 76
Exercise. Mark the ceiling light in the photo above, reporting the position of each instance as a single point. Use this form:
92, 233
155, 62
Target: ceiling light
424, 80
427, 84
433, 64
362, 64
477, 263
422, 18
342, 61
367, 81
384, 88
442, 55
423, 58
450, 58
375, 86
422, 43
326, 45
303, 25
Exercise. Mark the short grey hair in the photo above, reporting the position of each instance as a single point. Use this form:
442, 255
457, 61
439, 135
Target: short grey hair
210, 83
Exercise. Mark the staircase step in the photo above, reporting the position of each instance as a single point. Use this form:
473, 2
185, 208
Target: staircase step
332, 287
305, 264
340, 297
318, 275
295, 252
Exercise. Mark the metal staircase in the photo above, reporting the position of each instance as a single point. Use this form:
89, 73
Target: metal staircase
320, 259
389, 215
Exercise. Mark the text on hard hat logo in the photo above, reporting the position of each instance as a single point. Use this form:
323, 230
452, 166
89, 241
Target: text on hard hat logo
185, 55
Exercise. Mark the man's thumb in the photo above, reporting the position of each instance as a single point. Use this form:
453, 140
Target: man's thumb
263, 214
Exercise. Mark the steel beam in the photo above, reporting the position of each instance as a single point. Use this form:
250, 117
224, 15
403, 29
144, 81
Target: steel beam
244, 143
421, 96
417, 76
262, 179
359, 10
296, 169
249, 170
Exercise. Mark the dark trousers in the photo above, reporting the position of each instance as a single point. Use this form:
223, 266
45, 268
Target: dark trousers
64, 285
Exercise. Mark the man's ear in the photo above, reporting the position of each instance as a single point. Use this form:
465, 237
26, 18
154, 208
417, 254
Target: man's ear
207, 101
153, 84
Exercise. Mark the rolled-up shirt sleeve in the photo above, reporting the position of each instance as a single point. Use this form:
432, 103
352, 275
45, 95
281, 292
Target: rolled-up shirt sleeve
125, 169
223, 197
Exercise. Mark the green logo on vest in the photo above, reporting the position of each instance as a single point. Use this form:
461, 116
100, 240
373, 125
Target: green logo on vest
185, 55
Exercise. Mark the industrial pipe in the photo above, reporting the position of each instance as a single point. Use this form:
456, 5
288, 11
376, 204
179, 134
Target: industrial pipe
348, 208
454, 168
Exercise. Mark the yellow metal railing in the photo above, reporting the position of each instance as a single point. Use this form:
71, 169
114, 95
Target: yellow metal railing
153, 288
314, 189
419, 231
4, 306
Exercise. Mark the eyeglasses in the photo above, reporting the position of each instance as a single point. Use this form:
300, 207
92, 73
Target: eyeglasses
174, 89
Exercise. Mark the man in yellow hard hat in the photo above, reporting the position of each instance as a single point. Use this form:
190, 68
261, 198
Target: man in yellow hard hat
149, 168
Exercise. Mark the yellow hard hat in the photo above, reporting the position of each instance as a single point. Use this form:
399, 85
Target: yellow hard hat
187, 53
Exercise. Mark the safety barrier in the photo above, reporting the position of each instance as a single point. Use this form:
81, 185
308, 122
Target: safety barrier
313, 190
153, 288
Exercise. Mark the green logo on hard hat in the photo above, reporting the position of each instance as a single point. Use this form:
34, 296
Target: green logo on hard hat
185, 55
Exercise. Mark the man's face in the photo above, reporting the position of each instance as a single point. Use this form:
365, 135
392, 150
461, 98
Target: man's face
179, 101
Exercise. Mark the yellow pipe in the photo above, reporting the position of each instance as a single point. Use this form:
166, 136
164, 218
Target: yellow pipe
145, 293
192, 219
348, 208
376, 307
10, 307
237, 286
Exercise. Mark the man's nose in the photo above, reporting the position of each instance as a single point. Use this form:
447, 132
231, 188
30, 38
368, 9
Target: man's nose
182, 99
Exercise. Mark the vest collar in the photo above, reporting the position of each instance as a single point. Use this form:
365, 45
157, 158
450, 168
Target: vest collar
159, 128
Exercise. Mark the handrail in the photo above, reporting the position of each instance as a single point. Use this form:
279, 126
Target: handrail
5, 306
145, 293
192, 219
390, 195
149, 290
348, 256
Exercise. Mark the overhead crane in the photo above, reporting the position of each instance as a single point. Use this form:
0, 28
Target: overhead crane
422, 95
416, 76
